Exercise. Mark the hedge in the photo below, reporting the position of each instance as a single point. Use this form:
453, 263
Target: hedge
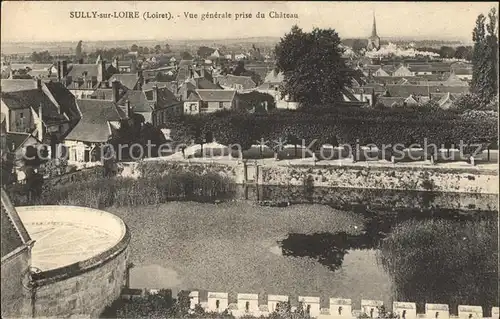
340, 125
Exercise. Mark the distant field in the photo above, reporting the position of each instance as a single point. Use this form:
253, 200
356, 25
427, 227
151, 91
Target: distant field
66, 47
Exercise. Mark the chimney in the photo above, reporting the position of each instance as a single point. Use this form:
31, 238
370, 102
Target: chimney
101, 69
133, 66
116, 65
64, 69
38, 83
115, 85
40, 123
59, 75
155, 94
129, 110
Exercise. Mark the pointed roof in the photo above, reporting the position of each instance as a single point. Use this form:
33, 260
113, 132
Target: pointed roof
374, 28
14, 234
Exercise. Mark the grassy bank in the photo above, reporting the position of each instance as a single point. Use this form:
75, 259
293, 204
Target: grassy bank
100, 192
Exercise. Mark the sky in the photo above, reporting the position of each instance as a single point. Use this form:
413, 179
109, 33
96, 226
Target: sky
51, 21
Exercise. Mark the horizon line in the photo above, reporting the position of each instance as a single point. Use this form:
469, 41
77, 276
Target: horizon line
392, 37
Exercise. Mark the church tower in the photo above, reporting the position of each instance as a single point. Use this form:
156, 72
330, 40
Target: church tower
374, 39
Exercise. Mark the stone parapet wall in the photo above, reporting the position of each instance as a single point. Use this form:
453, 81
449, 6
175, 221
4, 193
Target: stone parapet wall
248, 304
409, 178
85, 294
86, 287
397, 178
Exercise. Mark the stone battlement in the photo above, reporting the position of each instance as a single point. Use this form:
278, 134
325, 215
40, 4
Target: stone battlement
248, 305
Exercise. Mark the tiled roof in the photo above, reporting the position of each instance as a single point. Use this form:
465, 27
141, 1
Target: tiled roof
33, 66
204, 84
15, 140
185, 62
165, 97
429, 67
9, 85
389, 68
274, 77
93, 126
77, 70
64, 98
463, 71
231, 80
13, 232
150, 85
390, 101
130, 81
33, 99
138, 101
39, 73
216, 95
182, 75
193, 97
406, 90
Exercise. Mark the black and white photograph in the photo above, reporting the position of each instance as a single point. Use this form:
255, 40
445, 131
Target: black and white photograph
249, 159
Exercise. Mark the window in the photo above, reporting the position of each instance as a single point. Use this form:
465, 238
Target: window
247, 306
340, 310
308, 309
204, 105
217, 304
404, 314
21, 115
221, 105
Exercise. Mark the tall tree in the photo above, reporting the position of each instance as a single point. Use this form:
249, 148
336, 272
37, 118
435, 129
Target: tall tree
78, 50
134, 48
485, 57
464, 52
312, 63
446, 52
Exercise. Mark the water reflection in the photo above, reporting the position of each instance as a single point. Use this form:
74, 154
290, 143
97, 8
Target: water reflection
443, 256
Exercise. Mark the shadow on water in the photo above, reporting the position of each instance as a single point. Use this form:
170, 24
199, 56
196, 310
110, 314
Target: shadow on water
427, 242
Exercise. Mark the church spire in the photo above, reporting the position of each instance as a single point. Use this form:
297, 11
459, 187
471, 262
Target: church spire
374, 28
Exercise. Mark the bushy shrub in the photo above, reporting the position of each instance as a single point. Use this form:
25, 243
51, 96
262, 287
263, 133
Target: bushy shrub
432, 260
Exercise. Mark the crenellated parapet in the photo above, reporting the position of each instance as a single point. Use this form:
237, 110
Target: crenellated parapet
247, 304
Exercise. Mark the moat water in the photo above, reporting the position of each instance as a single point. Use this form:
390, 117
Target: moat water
322, 242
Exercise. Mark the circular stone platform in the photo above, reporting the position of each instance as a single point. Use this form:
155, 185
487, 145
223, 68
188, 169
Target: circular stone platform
65, 235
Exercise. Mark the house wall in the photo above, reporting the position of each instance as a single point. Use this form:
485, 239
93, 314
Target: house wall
161, 116
77, 149
366, 97
30, 141
422, 73
465, 76
81, 94
14, 297
215, 106
18, 120
380, 72
191, 107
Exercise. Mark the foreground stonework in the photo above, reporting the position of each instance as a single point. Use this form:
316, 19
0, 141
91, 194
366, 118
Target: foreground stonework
83, 288
248, 304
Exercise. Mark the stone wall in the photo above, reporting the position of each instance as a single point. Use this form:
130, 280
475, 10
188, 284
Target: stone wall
433, 179
15, 278
87, 292
85, 286
398, 178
